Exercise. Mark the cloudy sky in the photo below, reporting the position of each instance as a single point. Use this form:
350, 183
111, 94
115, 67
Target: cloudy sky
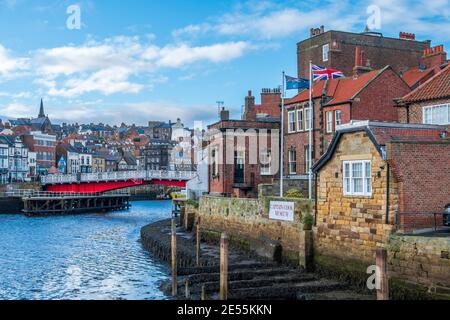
141, 60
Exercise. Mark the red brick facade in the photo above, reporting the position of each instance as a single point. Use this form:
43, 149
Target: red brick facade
368, 97
377, 51
422, 172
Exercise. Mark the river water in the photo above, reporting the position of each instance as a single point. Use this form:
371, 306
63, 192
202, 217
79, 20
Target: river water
89, 257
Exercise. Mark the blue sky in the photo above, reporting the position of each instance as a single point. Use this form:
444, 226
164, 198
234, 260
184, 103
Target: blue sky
141, 60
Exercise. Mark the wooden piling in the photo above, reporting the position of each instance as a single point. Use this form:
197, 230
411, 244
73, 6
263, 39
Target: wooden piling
187, 291
224, 267
198, 239
381, 262
174, 258
203, 296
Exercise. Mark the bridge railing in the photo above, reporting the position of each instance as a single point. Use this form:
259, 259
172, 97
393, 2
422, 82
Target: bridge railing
119, 176
45, 194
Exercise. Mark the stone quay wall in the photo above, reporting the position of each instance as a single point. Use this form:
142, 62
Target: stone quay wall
247, 221
419, 266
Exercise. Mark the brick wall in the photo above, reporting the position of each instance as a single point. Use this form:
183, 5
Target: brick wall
248, 219
353, 227
421, 260
381, 51
422, 170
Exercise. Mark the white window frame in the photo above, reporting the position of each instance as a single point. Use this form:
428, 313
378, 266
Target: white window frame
292, 161
348, 185
325, 52
266, 168
307, 115
336, 122
300, 121
329, 121
291, 122
431, 109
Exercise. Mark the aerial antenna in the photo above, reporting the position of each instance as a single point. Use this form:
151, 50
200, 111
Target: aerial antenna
220, 105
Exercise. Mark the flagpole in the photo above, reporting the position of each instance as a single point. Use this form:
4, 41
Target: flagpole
282, 138
311, 128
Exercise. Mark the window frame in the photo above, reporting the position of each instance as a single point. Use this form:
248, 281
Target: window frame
300, 124
292, 129
329, 122
348, 181
336, 124
308, 122
431, 108
292, 161
266, 169
326, 52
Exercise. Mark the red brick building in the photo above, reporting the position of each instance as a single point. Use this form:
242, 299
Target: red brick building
429, 103
339, 50
369, 96
245, 153
45, 147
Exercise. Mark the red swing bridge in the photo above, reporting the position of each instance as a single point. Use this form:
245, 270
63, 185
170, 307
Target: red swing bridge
108, 181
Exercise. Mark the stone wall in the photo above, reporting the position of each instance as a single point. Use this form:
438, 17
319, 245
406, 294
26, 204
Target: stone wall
248, 220
419, 265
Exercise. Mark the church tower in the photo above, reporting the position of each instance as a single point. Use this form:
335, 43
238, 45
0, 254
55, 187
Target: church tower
41, 110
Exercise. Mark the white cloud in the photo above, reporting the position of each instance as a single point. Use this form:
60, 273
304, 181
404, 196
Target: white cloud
17, 110
9, 65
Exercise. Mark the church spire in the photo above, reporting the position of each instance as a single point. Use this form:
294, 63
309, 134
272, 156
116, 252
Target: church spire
41, 110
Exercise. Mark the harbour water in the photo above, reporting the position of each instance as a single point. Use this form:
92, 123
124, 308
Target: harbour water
82, 257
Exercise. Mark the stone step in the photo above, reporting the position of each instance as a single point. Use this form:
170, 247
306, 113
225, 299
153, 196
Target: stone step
216, 269
289, 291
214, 287
239, 275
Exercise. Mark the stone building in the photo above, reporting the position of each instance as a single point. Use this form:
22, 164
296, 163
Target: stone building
429, 103
374, 180
339, 50
369, 96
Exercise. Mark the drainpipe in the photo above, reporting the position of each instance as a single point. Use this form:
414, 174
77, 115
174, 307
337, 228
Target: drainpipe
388, 180
315, 200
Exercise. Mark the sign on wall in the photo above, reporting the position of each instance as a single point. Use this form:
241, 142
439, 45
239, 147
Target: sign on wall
283, 211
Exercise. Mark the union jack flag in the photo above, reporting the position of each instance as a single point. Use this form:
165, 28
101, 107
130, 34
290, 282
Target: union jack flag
321, 73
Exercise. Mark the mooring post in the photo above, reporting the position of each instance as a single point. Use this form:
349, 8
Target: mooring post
174, 258
198, 238
187, 291
224, 267
381, 262
203, 296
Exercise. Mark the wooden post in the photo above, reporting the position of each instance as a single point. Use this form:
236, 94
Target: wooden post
187, 292
224, 267
174, 258
203, 296
381, 262
198, 238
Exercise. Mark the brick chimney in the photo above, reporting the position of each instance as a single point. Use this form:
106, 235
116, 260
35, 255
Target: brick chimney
249, 111
362, 65
407, 36
224, 114
433, 57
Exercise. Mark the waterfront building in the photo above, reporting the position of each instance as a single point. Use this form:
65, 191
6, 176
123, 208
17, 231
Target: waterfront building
4, 151
111, 162
99, 163
86, 162
243, 153
32, 165
159, 130
368, 96
17, 159
429, 103
45, 147
157, 154
127, 162
71, 156
338, 50
377, 179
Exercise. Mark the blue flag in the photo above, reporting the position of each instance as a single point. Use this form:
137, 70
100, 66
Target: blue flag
295, 83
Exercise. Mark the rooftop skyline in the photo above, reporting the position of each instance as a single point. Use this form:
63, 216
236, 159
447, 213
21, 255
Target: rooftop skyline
138, 61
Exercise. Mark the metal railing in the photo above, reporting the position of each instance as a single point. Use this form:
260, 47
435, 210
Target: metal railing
29, 194
119, 176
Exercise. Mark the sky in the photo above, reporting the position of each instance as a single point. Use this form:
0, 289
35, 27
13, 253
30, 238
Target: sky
139, 60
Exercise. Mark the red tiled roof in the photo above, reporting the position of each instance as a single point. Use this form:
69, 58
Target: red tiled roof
415, 75
437, 87
341, 90
386, 134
